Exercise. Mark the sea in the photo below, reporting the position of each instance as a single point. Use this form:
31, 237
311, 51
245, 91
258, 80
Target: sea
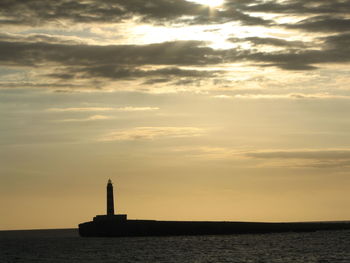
67, 246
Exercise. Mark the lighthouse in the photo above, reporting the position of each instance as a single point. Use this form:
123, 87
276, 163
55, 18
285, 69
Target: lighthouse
110, 216
110, 199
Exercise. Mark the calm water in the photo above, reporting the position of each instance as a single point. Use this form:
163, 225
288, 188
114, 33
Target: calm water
67, 246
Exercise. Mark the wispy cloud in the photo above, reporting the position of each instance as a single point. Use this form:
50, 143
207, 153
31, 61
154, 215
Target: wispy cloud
130, 109
294, 158
283, 96
209, 152
86, 109
319, 158
150, 133
80, 109
223, 96
90, 118
302, 154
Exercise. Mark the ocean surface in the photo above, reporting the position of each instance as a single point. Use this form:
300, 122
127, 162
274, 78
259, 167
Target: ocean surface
67, 246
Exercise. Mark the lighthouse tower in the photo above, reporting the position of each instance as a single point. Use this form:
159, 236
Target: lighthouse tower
110, 216
110, 199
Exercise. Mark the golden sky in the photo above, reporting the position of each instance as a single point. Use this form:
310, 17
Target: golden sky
197, 110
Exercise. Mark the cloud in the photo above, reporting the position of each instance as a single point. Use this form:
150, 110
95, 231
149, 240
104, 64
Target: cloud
323, 158
269, 41
80, 109
132, 109
222, 96
92, 66
337, 42
302, 154
150, 133
321, 15
332, 49
57, 86
82, 61
209, 153
295, 158
87, 109
322, 24
115, 62
117, 72
295, 6
40, 38
283, 96
79, 66
107, 58
90, 118
69, 62
34, 12
156, 81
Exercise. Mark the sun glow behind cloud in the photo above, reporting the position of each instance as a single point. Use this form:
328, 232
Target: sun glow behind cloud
214, 36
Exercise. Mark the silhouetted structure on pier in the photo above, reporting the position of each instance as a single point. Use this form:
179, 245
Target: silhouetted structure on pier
114, 225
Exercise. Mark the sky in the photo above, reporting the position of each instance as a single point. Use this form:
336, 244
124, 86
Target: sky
195, 109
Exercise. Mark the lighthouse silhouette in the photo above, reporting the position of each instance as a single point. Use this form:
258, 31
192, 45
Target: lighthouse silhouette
110, 215
110, 198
